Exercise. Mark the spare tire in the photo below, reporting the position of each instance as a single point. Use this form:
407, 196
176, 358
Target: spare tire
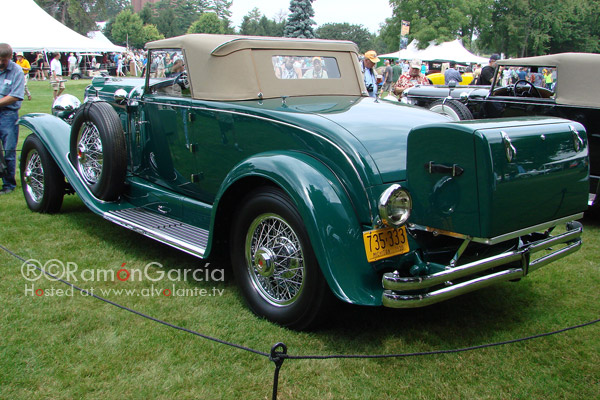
98, 149
453, 109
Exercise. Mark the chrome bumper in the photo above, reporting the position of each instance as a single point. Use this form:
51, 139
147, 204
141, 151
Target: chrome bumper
396, 287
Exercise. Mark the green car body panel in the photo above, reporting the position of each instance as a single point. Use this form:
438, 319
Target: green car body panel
489, 182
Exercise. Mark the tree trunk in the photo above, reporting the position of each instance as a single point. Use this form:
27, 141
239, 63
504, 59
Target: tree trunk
63, 13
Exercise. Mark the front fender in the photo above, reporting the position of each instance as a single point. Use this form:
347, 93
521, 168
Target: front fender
331, 221
53, 132
55, 135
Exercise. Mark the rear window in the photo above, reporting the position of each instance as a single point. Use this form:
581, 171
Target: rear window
305, 67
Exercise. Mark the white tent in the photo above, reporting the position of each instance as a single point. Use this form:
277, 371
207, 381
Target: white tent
100, 39
27, 27
447, 51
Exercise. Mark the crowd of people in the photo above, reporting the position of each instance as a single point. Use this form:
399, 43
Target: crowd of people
395, 79
398, 75
130, 63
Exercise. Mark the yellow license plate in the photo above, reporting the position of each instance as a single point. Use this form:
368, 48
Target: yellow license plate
385, 242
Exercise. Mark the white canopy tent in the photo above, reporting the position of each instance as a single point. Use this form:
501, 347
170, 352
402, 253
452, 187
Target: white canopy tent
101, 39
43, 32
447, 51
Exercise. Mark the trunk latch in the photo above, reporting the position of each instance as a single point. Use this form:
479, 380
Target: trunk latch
454, 169
577, 140
511, 152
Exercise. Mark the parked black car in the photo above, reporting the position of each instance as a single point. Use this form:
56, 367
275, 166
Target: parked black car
574, 93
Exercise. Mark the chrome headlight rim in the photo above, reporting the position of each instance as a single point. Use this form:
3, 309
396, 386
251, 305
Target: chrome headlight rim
395, 205
65, 106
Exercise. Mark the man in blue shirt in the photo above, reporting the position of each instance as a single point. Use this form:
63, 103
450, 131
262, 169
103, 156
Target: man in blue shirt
452, 75
12, 84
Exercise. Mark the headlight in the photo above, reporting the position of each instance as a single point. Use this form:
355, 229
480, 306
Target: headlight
395, 205
65, 106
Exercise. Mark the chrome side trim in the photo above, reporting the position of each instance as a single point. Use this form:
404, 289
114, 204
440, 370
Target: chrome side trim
399, 290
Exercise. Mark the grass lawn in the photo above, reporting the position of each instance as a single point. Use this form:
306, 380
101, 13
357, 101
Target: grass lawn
63, 346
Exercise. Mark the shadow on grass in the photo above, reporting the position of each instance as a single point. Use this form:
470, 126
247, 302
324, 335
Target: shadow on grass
591, 217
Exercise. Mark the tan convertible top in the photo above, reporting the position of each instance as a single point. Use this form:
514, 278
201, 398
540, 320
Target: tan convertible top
577, 76
226, 67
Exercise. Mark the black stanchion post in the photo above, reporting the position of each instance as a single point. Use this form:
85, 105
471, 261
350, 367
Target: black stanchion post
277, 357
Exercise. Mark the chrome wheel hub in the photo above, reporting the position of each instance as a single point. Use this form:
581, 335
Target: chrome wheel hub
264, 262
275, 260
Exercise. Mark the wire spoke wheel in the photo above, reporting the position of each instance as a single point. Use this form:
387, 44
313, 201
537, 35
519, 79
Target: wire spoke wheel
89, 153
34, 176
98, 150
274, 262
275, 259
42, 181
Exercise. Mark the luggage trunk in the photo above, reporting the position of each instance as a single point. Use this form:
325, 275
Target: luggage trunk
488, 178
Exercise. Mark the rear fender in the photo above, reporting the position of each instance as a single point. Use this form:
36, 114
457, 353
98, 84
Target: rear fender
334, 230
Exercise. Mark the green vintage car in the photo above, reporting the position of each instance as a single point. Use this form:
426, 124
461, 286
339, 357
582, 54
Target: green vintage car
270, 150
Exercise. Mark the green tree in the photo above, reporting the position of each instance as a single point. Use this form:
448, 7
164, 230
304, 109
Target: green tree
173, 18
76, 14
147, 14
514, 27
81, 15
519, 27
355, 33
104, 10
576, 26
271, 27
256, 24
107, 31
221, 8
208, 23
127, 29
438, 20
300, 23
250, 24
149, 33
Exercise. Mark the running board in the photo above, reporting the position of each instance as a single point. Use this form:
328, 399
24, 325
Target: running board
169, 231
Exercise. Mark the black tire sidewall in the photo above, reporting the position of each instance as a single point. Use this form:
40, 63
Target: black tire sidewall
308, 309
54, 181
112, 178
461, 110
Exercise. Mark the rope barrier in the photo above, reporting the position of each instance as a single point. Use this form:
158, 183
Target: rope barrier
278, 353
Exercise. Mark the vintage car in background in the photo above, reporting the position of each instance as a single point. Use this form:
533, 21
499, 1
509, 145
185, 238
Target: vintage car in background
572, 95
314, 189
88, 67
437, 78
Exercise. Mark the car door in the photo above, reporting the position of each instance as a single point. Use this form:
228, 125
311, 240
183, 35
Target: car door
164, 156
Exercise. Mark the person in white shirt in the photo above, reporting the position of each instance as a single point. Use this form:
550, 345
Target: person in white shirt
56, 79
72, 60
